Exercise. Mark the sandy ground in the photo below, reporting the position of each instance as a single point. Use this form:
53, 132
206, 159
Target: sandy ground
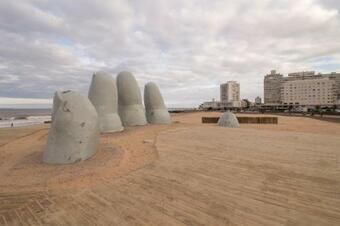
186, 173
21, 167
10, 134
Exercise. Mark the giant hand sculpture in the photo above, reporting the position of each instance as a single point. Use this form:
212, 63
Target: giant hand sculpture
74, 133
130, 105
156, 112
103, 95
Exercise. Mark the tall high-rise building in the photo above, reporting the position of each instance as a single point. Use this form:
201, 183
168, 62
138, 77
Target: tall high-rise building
272, 88
230, 91
336, 77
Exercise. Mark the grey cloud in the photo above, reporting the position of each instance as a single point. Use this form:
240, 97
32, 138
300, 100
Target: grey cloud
187, 47
331, 4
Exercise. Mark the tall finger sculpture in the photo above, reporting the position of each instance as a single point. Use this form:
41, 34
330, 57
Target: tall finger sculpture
130, 106
74, 133
156, 111
104, 97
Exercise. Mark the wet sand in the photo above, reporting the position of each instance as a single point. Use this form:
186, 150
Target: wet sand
186, 173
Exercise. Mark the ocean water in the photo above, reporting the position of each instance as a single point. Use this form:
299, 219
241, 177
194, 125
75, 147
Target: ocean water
23, 117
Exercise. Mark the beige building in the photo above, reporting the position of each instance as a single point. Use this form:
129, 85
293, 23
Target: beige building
302, 88
336, 77
321, 91
230, 91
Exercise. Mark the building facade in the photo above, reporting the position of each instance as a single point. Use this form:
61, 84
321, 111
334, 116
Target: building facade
230, 91
217, 105
321, 91
336, 77
302, 89
272, 88
229, 98
210, 105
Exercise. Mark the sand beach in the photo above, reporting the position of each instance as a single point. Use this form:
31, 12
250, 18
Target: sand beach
186, 173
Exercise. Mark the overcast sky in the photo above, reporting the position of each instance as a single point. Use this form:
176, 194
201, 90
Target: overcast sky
187, 47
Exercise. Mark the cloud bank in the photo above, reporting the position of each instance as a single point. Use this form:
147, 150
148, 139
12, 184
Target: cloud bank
187, 47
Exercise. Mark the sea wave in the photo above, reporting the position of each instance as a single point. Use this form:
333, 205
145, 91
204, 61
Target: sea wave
27, 121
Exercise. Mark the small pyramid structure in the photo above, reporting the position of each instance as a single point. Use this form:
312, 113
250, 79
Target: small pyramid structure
228, 119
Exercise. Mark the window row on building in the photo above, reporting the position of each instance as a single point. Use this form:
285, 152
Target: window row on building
302, 88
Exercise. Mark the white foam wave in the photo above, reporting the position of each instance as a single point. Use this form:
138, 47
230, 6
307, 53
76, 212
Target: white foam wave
31, 120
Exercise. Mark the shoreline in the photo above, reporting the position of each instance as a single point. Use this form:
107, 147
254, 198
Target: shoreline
24, 121
22, 117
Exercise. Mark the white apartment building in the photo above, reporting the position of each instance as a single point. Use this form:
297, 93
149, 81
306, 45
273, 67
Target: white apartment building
321, 91
230, 91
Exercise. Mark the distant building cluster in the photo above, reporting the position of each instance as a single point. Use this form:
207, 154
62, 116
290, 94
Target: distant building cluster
229, 98
305, 89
